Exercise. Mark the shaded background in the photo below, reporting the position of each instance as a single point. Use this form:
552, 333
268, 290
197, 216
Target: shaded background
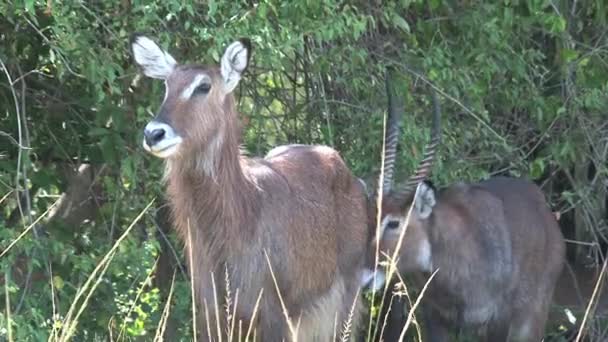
524, 89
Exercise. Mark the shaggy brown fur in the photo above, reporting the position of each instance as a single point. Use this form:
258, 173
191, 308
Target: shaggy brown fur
300, 205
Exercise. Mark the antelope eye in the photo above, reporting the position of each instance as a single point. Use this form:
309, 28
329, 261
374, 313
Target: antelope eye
203, 88
392, 225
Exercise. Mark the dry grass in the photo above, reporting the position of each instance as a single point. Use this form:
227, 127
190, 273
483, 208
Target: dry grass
71, 321
371, 332
162, 324
6, 196
27, 229
592, 301
410, 315
348, 324
9, 328
231, 328
192, 273
391, 263
78, 306
292, 330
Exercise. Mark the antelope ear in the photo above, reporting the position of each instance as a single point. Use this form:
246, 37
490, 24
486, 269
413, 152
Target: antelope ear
153, 60
234, 62
425, 200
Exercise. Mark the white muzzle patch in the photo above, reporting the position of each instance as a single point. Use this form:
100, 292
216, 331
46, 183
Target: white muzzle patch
369, 282
162, 147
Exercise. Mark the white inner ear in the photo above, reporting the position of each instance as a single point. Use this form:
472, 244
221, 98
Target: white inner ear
154, 61
233, 64
425, 200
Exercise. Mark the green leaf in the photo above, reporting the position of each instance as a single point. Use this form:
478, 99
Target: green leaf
128, 171
555, 23
401, 23
537, 168
58, 282
29, 6
108, 149
568, 55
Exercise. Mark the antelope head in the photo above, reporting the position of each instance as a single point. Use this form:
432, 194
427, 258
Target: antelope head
198, 102
403, 228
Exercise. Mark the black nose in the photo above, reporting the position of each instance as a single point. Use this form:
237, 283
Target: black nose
154, 136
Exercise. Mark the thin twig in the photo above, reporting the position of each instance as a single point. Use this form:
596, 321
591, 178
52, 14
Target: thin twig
35, 71
26, 192
582, 243
14, 141
595, 291
6, 196
58, 53
19, 135
27, 229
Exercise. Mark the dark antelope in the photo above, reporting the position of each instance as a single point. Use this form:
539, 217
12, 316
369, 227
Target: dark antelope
496, 245
299, 206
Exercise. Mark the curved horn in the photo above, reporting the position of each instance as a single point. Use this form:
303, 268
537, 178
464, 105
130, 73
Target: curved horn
430, 149
396, 108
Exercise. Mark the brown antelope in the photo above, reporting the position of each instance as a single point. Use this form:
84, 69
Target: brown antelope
497, 249
297, 216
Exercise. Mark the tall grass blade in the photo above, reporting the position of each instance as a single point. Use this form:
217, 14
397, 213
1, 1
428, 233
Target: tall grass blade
164, 318
103, 264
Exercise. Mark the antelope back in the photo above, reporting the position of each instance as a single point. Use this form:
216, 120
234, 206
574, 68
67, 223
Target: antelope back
498, 220
464, 220
537, 242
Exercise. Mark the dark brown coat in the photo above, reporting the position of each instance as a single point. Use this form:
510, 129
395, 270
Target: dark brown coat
497, 248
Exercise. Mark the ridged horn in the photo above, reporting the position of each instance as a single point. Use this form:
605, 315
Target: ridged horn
430, 150
396, 107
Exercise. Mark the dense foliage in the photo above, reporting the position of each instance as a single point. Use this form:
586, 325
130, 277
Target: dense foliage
523, 87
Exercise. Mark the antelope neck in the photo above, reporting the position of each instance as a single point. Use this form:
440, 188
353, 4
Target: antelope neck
217, 203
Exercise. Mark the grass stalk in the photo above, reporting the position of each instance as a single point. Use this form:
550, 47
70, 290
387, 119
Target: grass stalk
68, 325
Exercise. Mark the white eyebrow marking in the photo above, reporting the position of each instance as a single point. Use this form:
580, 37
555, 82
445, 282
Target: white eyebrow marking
166, 92
198, 79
